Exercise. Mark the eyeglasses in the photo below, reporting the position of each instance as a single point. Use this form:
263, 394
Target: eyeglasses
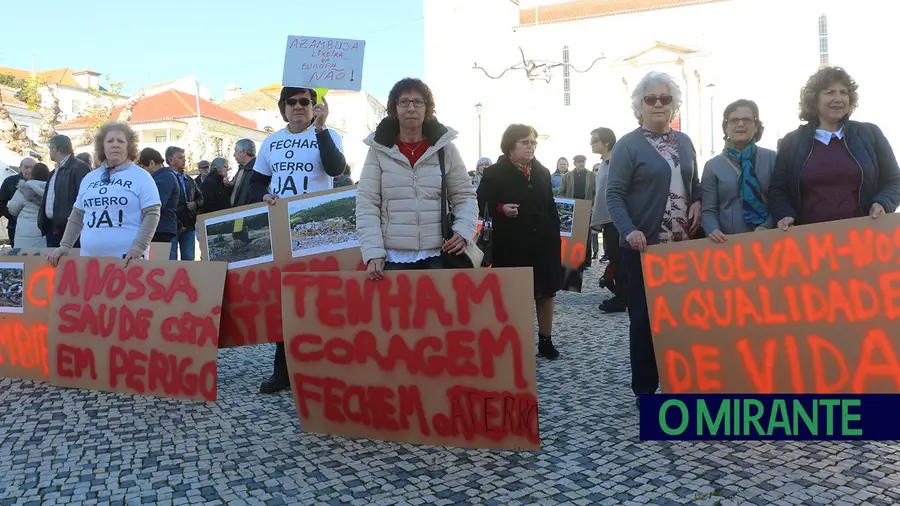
652, 99
418, 103
528, 142
738, 121
294, 101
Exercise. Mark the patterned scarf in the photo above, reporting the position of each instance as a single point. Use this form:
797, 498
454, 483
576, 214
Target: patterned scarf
752, 201
525, 168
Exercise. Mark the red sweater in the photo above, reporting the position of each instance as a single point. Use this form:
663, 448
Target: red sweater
829, 185
413, 150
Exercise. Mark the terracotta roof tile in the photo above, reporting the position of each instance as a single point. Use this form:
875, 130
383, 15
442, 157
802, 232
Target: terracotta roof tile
8, 97
584, 9
264, 98
169, 105
61, 76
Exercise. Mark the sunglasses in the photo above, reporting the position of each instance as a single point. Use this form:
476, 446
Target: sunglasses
663, 99
294, 101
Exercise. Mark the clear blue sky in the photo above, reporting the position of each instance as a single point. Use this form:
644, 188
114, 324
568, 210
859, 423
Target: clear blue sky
223, 42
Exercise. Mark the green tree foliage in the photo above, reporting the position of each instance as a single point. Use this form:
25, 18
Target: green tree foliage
344, 208
29, 92
11, 81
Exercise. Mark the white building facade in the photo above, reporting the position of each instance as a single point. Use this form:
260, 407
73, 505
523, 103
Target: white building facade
718, 51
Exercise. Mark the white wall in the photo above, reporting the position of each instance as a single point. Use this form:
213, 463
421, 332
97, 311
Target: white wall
762, 50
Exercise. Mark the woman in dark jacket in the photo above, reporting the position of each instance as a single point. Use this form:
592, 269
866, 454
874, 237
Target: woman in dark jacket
832, 168
517, 194
216, 188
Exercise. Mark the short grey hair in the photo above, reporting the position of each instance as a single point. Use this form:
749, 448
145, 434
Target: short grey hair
218, 162
246, 146
637, 97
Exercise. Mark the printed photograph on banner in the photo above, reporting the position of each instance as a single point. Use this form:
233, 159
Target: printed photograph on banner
566, 210
241, 239
324, 223
12, 287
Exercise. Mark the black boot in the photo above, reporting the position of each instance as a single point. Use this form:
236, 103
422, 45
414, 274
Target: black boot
546, 348
279, 380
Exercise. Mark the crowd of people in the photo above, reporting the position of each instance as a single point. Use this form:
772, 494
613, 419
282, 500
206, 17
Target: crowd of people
418, 206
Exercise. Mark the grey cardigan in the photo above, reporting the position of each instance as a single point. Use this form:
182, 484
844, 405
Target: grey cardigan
722, 209
639, 180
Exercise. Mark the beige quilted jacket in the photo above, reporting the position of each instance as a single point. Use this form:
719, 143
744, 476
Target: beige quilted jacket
398, 207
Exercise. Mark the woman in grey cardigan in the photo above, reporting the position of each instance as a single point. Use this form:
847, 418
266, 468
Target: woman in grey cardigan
736, 182
653, 196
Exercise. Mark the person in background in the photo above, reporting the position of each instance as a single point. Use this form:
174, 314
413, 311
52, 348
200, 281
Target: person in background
216, 188
189, 201
735, 183
518, 193
167, 185
483, 163
580, 184
303, 157
562, 168
86, 158
344, 179
653, 196
121, 230
603, 141
832, 168
245, 155
7, 190
26, 206
595, 240
202, 172
402, 174
62, 189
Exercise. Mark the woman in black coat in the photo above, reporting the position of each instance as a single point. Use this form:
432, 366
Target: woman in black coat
517, 194
216, 188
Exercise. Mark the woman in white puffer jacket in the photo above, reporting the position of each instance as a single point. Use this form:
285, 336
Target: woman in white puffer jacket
398, 197
26, 206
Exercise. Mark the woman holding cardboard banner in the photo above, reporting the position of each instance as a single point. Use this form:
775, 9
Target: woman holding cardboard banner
399, 194
736, 182
653, 196
517, 194
117, 208
832, 168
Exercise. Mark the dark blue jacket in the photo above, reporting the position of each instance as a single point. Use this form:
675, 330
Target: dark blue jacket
869, 147
167, 183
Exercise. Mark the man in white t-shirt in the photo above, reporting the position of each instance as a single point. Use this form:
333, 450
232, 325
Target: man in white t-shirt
304, 157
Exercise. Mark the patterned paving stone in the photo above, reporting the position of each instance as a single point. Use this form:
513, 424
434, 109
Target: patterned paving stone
75, 447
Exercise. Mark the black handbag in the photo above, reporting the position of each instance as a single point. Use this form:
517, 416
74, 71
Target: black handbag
485, 236
451, 260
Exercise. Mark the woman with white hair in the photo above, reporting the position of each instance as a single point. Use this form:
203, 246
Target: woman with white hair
653, 197
483, 163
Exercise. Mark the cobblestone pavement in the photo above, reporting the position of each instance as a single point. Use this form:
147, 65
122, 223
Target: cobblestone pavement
79, 447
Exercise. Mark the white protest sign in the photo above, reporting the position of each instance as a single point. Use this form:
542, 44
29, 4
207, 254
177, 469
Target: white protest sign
319, 62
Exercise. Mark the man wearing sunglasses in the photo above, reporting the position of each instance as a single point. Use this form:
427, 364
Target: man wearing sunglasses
304, 157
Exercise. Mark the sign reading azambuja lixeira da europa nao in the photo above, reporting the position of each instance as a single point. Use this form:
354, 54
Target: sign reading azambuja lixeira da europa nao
322, 62
770, 417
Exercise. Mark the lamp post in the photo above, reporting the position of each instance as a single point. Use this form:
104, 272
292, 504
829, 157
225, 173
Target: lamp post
712, 118
478, 109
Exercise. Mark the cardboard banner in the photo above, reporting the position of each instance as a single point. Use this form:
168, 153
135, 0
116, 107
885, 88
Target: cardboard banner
321, 62
441, 357
574, 227
307, 233
811, 310
150, 328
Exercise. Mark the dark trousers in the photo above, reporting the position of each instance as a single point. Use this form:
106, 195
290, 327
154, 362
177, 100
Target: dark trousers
11, 232
613, 252
55, 237
644, 375
280, 370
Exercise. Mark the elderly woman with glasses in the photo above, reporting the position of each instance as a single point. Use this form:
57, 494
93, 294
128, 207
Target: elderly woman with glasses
832, 168
117, 208
736, 182
653, 197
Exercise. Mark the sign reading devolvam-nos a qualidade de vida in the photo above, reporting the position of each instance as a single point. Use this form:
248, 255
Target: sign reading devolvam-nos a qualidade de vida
322, 62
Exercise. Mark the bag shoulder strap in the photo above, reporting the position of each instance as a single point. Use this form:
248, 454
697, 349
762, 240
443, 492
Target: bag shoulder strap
443, 192
733, 165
